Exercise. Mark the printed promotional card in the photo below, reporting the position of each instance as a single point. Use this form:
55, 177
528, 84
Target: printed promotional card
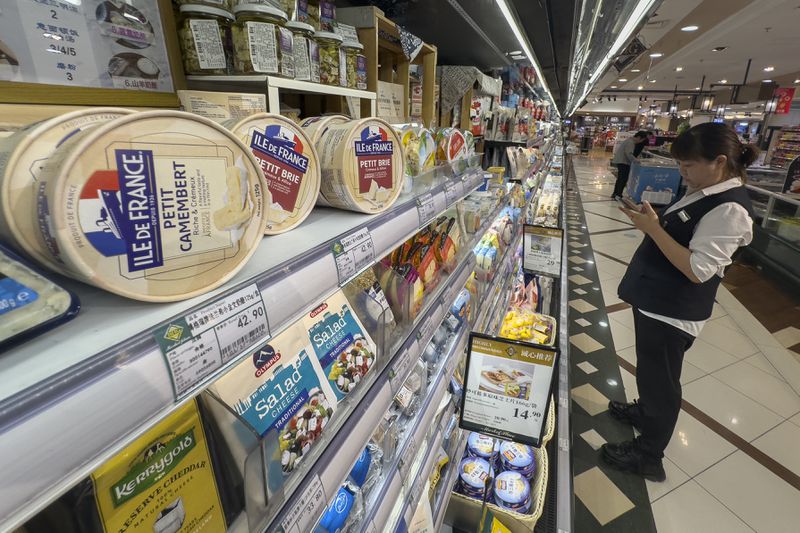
279, 387
542, 250
507, 388
162, 482
345, 350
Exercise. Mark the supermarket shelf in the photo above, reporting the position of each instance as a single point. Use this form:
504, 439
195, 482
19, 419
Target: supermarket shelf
100, 380
414, 493
448, 482
402, 468
272, 85
334, 463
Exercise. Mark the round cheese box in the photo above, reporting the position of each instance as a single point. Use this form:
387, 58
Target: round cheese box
316, 126
22, 156
155, 206
290, 165
362, 165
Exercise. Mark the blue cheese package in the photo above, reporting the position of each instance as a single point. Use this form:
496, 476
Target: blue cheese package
344, 348
30, 304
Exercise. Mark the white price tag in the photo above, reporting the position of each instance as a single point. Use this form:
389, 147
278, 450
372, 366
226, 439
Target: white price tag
426, 209
452, 191
201, 342
398, 373
416, 491
407, 461
307, 509
563, 444
352, 254
425, 331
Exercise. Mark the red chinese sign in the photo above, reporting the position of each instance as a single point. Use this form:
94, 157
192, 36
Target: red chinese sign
783, 98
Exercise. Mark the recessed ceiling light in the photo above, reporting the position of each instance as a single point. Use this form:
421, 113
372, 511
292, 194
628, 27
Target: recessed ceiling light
652, 81
797, 81
635, 70
516, 52
697, 88
767, 81
623, 79
613, 86
723, 81
678, 69
656, 55
640, 87
690, 28
719, 48
769, 69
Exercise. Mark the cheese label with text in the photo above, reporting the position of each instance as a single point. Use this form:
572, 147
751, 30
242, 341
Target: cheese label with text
374, 155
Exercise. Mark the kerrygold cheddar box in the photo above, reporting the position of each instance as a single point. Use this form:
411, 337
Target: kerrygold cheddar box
163, 482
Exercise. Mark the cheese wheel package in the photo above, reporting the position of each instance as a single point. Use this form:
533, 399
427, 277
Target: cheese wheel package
22, 156
290, 165
156, 206
451, 145
419, 147
362, 165
316, 126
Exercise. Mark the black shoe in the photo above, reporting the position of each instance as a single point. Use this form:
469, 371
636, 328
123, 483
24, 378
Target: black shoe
626, 412
629, 457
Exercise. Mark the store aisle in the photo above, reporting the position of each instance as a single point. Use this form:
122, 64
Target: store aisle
732, 464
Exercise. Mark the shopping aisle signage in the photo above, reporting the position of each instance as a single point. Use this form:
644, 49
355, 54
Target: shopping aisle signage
203, 341
507, 388
542, 250
783, 100
94, 43
162, 482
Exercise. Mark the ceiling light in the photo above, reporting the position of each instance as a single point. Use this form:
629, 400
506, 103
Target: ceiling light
652, 81
613, 86
767, 81
640, 87
796, 81
635, 70
512, 23
769, 69
655, 55
697, 88
723, 81
719, 48
516, 52
690, 28
623, 79
678, 69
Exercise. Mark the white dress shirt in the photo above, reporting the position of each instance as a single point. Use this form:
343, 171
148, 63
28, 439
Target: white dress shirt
716, 237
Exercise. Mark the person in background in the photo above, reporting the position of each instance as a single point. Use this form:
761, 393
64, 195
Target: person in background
623, 157
672, 281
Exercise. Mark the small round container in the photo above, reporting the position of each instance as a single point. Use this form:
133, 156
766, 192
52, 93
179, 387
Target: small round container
348, 60
156, 206
479, 445
290, 165
301, 35
316, 126
472, 474
362, 165
517, 458
22, 156
261, 42
512, 491
328, 44
205, 36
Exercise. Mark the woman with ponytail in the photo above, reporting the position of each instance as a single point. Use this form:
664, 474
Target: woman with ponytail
672, 281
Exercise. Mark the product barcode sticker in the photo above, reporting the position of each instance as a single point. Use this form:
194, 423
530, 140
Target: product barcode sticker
399, 372
199, 343
426, 209
304, 513
452, 191
353, 253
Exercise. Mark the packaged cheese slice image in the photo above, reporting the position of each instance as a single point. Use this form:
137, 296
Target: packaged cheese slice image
22, 156
156, 206
278, 389
290, 165
163, 482
342, 345
362, 165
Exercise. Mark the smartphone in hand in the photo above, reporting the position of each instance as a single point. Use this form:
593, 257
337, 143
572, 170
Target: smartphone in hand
627, 203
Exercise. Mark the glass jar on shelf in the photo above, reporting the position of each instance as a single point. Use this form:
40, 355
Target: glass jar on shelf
348, 60
328, 44
205, 37
261, 42
302, 35
308, 12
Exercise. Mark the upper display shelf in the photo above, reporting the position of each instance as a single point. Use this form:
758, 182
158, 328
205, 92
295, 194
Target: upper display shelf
107, 364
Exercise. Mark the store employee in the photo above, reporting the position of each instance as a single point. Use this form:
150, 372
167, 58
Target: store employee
672, 281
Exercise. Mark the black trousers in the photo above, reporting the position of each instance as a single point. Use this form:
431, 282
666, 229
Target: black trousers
622, 178
659, 358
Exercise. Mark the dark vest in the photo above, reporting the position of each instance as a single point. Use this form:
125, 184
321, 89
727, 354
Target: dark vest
653, 284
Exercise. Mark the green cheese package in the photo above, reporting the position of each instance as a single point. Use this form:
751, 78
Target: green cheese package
29, 302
